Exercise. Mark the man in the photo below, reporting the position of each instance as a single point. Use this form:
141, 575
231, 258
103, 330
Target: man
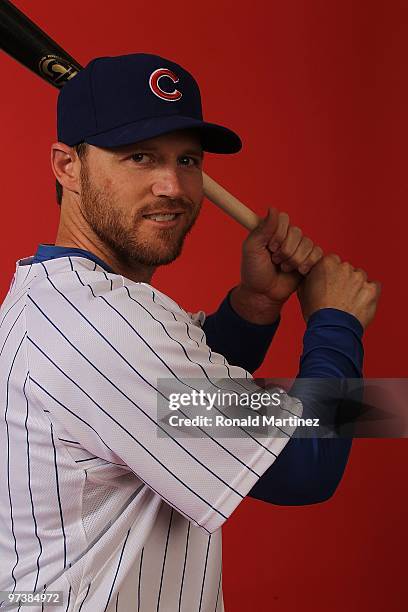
98, 506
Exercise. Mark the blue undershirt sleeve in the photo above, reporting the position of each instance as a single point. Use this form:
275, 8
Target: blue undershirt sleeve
309, 469
241, 342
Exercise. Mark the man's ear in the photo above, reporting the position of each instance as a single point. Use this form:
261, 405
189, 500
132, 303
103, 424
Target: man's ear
66, 166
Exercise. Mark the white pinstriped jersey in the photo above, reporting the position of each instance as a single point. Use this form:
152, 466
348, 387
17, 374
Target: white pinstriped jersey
94, 503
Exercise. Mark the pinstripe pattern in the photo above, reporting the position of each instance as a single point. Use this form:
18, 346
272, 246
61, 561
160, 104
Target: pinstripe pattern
96, 504
184, 568
30, 489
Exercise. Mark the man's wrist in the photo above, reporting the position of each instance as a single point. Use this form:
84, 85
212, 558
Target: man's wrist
254, 307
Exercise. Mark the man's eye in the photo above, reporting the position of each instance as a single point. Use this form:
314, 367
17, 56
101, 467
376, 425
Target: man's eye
140, 157
186, 160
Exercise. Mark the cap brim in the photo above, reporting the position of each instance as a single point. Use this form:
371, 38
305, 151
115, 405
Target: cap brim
214, 138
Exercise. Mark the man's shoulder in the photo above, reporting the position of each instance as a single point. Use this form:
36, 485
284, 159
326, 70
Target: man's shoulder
92, 290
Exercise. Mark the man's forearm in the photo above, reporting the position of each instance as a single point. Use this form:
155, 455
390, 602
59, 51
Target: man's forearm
254, 307
242, 342
308, 471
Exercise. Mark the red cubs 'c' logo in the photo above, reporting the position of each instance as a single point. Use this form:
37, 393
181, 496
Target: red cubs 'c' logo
158, 91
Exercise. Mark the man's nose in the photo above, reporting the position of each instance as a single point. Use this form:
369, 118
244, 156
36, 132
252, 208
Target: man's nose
168, 183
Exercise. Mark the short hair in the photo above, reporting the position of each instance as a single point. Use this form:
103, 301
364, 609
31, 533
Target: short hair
81, 150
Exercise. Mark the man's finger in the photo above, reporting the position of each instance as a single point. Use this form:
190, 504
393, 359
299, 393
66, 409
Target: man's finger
260, 236
300, 256
289, 245
312, 259
280, 233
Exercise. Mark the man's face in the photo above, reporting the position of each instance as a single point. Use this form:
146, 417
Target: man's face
121, 188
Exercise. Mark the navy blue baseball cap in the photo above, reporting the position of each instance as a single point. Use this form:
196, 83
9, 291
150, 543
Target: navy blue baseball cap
124, 99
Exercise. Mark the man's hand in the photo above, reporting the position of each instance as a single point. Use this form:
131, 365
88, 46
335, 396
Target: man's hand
275, 258
336, 284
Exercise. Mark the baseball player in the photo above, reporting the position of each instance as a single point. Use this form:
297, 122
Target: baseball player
97, 508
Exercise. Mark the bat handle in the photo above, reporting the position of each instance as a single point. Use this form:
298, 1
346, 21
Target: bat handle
229, 203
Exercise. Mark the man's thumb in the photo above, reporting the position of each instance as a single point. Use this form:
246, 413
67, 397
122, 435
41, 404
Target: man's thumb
265, 229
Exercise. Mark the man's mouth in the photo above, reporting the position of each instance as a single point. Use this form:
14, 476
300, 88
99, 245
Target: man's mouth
165, 219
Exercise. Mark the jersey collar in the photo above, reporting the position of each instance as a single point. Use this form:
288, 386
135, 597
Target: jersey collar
51, 251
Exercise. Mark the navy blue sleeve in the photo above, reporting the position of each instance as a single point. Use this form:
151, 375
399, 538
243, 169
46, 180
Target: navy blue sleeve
242, 342
309, 470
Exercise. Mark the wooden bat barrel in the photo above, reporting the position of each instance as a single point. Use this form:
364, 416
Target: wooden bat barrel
28, 44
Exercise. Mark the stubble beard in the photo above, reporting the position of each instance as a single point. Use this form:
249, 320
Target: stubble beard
132, 246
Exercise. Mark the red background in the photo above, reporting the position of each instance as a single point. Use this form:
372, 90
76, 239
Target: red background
318, 91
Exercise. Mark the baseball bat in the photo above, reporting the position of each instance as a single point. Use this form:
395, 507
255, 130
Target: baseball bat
24, 41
